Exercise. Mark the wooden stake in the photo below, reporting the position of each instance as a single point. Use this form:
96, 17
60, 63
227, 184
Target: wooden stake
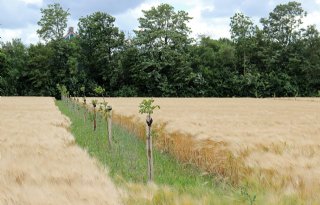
149, 149
94, 118
85, 110
109, 108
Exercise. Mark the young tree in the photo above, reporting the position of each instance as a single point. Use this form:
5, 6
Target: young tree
147, 107
53, 22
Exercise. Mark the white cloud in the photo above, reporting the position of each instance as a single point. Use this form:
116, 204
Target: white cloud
214, 27
8, 34
34, 2
209, 26
27, 35
312, 18
128, 21
210, 17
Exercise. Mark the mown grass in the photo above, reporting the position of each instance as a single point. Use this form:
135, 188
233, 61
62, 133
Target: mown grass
175, 183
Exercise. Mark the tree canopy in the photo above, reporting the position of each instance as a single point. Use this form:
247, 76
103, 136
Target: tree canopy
277, 57
53, 22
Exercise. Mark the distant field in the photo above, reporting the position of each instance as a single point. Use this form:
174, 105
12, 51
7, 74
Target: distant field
277, 139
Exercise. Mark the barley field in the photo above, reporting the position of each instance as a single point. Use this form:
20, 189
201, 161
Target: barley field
273, 142
40, 162
271, 145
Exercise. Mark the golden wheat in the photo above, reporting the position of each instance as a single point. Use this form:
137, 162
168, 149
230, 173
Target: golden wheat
273, 143
40, 162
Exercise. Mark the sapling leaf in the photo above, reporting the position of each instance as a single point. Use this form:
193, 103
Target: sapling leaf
99, 90
94, 103
147, 107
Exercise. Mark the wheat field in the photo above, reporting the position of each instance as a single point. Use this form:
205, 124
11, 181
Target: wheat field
273, 145
274, 142
40, 163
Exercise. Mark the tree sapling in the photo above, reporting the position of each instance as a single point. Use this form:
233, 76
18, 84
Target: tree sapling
147, 107
107, 112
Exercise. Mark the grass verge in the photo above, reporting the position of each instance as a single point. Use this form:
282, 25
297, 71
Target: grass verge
175, 183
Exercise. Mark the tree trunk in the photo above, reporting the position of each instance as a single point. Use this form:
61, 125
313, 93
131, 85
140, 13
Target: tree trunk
149, 149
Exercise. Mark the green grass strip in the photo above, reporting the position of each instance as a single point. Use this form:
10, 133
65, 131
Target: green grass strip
127, 158
127, 161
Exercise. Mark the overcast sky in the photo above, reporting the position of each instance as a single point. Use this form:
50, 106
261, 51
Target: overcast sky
18, 18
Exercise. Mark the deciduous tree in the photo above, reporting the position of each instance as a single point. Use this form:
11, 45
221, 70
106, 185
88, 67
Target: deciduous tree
53, 22
99, 40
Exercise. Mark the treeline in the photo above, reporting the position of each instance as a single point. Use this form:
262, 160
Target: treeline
277, 58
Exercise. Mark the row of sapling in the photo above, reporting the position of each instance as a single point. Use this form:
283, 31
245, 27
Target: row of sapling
147, 107
106, 111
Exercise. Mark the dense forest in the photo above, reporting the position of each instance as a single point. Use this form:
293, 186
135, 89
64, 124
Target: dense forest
278, 57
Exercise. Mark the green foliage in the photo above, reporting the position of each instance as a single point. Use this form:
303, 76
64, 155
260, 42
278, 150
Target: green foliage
83, 90
99, 90
163, 39
94, 103
242, 31
281, 59
53, 22
100, 41
39, 74
13, 60
241, 27
147, 107
162, 26
3, 71
127, 91
284, 23
63, 90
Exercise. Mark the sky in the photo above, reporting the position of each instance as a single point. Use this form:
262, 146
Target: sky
18, 18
